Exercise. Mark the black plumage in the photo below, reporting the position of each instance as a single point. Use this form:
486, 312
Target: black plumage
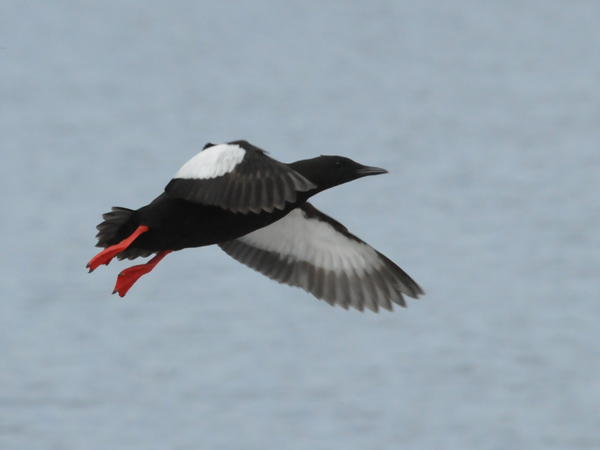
255, 208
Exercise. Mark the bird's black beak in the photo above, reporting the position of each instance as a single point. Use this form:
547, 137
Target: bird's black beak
366, 171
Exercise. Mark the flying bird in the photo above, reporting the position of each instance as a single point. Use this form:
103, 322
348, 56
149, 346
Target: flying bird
255, 208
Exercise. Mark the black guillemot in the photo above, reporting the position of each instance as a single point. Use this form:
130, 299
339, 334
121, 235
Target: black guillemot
255, 208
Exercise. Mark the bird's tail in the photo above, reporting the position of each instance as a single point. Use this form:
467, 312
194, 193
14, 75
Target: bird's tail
119, 224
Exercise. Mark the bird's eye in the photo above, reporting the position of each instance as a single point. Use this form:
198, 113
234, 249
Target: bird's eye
338, 164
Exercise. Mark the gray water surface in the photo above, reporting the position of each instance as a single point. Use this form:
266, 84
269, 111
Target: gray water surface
486, 114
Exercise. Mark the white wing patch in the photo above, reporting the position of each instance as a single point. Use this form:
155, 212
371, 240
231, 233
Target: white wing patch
300, 238
312, 251
212, 162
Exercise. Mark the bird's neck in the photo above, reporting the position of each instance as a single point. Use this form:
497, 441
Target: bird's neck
312, 171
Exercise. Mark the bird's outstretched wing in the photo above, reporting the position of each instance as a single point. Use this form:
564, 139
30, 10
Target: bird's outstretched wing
238, 177
310, 250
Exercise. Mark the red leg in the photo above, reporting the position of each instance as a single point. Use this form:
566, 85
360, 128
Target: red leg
129, 276
106, 255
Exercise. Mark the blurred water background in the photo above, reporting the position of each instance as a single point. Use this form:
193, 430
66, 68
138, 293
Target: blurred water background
486, 114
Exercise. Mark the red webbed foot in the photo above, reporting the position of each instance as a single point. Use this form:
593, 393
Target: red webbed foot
106, 255
129, 276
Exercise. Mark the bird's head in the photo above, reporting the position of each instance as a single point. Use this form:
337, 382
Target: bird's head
329, 171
